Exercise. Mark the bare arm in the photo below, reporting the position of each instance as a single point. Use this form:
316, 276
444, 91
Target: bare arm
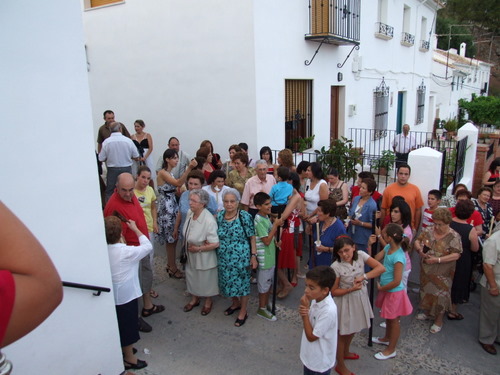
38, 285
398, 276
150, 143
323, 192
474, 240
417, 217
304, 314
490, 279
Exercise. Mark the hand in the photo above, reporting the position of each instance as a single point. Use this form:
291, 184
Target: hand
253, 262
494, 292
155, 227
278, 222
377, 215
304, 301
430, 259
131, 224
378, 286
313, 220
193, 164
278, 244
357, 286
377, 230
356, 222
322, 249
175, 234
193, 248
372, 239
359, 279
303, 310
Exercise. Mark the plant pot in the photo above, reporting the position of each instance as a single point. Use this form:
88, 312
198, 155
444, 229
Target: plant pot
382, 171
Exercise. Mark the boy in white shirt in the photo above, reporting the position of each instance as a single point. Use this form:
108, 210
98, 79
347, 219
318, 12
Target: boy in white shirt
318, 347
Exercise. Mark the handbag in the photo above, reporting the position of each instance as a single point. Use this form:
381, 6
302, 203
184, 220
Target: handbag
183, 258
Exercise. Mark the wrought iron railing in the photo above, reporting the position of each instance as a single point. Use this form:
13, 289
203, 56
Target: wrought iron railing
338, 20
407, 39
385, 30
424, 45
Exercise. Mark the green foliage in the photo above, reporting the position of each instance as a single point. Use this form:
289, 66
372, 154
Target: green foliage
303, 143
451, 125
443, 30
341, 155
482, 109
483, 14
386, 160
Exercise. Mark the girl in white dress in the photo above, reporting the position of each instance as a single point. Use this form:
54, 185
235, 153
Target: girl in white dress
351, 295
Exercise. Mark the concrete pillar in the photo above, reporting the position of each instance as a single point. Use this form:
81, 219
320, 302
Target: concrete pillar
425, 166
470, 131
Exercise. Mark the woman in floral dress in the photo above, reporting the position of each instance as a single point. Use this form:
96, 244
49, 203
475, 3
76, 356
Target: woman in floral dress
236, 254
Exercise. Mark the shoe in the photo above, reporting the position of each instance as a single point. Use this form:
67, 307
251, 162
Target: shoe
454, 316
435, 328
283, 293
270, 308
383, 325
353, 356
383, 357
230, 310
191, 306
489, 348
422, 316
143, 326
376, 340
240, 322
135, 366
176, 275
206, 310
153, 310
265, 314
338, 372
294, 284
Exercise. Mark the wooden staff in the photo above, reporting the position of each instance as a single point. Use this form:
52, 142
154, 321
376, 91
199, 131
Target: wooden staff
376, 223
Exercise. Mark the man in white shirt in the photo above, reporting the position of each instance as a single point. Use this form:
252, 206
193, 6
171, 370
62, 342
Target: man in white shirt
118, 152
402, 145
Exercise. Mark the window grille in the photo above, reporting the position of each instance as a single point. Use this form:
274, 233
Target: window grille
381, 105
298, 110
420, 103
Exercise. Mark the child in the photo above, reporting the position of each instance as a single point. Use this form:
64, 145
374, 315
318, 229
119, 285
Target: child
281, 192
291, 239
392, 298
319, 316
433, 201
351, 295
266, 251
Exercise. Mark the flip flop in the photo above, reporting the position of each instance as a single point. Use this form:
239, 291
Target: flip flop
153, 294
153, 310
455, 316
353, 356
230, 310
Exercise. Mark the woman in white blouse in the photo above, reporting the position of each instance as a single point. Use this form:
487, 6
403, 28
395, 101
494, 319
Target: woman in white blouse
201, 240
124, 263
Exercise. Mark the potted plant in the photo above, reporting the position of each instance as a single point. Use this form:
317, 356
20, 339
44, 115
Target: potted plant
302, 144
451, 126
384, 163
341, 155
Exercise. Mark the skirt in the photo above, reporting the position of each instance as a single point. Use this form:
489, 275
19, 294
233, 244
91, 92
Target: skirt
128, 322
393, 304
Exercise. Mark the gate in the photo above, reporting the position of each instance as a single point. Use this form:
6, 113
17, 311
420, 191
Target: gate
460, 160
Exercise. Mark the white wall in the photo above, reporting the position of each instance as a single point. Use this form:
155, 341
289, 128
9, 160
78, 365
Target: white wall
49, 180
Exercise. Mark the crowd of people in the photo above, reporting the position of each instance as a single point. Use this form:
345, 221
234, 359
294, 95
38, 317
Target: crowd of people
228, 225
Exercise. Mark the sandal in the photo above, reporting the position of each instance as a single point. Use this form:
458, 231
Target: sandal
135, 366
353, 356
455, 316
230, 310
206, 309
191, 306
422, 316
435, 328
177, 274
153, 294
153, 310
240, 322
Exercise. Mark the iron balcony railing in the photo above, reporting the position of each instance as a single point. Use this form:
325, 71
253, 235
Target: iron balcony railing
407, 39
384, 31
424, 45
335, 21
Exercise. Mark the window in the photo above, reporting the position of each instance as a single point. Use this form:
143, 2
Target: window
98, 3
420, 103
407, 39
381, 105
298, 107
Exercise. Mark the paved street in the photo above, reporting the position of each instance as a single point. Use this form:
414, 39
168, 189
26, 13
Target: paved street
189, 343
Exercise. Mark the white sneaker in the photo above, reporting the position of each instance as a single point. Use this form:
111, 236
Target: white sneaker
383, 325
263, 313
377, 341
382, 357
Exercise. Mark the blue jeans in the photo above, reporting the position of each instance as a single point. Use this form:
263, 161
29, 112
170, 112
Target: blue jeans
311, 372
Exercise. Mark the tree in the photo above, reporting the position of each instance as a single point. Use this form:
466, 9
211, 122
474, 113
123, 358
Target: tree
484, 14
482, 109
457, 35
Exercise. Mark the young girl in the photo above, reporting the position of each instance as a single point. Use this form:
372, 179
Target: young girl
351, 296
392, 298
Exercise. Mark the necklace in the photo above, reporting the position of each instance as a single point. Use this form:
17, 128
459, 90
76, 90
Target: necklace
230, 218
326, 226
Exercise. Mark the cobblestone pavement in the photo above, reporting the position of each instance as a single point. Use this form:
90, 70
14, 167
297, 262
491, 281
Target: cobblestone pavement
189, 343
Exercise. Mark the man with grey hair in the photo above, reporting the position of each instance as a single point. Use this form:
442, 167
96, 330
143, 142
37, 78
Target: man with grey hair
118, 152
260, 182
105, 130
402, 145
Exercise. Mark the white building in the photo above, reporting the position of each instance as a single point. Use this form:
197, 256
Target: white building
234, 71
456, 77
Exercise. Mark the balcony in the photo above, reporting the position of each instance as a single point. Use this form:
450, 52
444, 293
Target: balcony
424, 46
334, 21
407, 39
383, 31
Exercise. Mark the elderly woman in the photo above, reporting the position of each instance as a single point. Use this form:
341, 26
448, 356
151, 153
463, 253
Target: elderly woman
201, 240
238, 177
237, 253
460, 289
216, 186
495, 198
483, 206
124, 262
326, 229
439, 247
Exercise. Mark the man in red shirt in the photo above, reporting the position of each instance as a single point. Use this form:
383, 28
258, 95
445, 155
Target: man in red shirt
126, 204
